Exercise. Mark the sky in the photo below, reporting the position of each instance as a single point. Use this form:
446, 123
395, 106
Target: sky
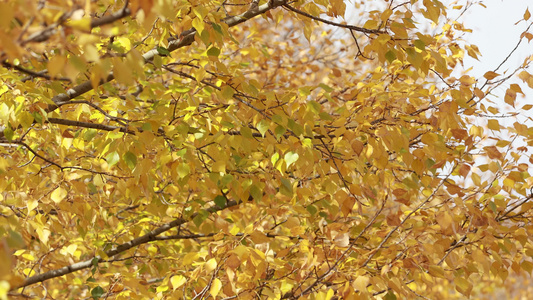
496, 31
496, 34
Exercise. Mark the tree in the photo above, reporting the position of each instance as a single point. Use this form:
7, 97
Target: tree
270, 150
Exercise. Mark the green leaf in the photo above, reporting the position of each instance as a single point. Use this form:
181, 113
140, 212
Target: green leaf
312, 209
112, 158
286, 187
274, 159
213, 51
304, 91
420, 44
314, 106
181, 89
158, 61
262, 126
256, 193
390, 56
390, 296
97, 292
295, 127
92, 188
290, 158
277, 119
493, 207
326, 88
227, 124
8, 133
89, 134
38, 117
163, 51
325, 116
220, 201
130, 159
227, 92
183, 170
95, 261
226, 179
217, 27
147, 126
280, 131
200, 218
246, 132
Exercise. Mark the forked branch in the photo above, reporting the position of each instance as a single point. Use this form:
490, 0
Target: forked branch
149, 237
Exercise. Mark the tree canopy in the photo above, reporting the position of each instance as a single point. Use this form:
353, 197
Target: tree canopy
258, 149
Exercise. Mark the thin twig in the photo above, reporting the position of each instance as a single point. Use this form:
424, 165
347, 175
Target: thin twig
352, 27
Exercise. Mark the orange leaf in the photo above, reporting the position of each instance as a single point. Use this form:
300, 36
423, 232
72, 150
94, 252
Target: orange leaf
491, 75
493, 152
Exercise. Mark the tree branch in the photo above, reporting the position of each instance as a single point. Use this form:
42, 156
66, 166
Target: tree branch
149, 237
46, 33
90, 125
351, 27
22, 143
183, 237
124, 12
119, 120
32, 74
186, 38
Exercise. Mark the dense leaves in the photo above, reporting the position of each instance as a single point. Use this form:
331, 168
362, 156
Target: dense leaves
267, 149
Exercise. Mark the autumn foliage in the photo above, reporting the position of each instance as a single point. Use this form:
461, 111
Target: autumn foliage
258, 150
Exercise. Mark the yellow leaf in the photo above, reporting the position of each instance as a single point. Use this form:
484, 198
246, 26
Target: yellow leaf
31, 204
286, 286
210, 265
527, 15
71, 249
527, 266
227, 92
510, 97
215, 288
122, 72
463, 286
177, 281
524, 75
6, 17
386, 15
43, 234
190, 258
58, 195
467, 80
219, 167
198, 24
330, 294
342, 240
361, 283
494, 125
83, 24
56, 64
259, 237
